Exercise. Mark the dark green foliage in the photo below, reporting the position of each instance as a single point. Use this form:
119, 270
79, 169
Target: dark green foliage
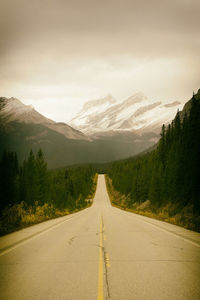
33, 185
8, 178
33, 180
41, 178
70, 187
170, 173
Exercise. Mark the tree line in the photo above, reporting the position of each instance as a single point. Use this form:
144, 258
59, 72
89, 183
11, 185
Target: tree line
32, 185
170, 173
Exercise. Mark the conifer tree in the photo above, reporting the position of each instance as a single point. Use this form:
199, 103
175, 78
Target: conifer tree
41, 178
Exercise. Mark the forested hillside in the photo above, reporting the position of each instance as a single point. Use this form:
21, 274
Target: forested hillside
30, 193
167, 178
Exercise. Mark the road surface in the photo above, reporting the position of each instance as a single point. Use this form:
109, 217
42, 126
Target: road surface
100, 253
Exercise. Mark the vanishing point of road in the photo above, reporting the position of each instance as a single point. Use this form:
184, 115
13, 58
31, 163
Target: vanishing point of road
100, 253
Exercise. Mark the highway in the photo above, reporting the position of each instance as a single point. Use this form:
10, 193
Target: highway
100, 253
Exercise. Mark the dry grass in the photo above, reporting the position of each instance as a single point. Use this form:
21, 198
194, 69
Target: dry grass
20, 216
169, 213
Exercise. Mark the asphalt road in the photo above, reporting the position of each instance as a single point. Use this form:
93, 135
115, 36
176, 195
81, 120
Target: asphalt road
100, 253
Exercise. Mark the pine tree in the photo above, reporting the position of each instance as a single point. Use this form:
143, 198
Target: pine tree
162, 145
28, 180
41, 178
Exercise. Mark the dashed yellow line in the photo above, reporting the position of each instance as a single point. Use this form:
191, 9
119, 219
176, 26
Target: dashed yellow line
100, 279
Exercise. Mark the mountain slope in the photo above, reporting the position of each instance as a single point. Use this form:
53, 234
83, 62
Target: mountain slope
137, 113
91, 110
13, 110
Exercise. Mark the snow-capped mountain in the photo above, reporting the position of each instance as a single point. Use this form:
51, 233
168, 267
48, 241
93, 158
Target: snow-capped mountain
91, 109
137, 113
13, 110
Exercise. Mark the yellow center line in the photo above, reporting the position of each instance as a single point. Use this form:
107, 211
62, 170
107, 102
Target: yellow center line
100, 279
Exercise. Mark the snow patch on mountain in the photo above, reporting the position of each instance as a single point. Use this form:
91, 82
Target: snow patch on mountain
92, 108
136, 113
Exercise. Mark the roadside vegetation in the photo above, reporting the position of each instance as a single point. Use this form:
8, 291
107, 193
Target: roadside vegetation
164, 183
31, 193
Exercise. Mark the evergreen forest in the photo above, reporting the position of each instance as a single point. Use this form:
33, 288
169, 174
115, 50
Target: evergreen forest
31, 193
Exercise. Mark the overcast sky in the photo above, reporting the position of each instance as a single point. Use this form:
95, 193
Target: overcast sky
56, 54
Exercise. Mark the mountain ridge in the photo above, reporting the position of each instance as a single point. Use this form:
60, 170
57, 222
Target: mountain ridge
136, 113
13, 110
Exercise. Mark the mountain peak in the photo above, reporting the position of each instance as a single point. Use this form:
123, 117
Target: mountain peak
14, 103
91, 109
10, 102
13, 110
109, 99
136, 98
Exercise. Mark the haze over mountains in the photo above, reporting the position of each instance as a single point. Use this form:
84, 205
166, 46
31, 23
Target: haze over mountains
108, 130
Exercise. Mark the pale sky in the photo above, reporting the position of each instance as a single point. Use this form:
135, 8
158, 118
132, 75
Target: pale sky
56, 54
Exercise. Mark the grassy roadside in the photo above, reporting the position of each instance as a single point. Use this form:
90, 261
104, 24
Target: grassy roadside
21, 215
170, 213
